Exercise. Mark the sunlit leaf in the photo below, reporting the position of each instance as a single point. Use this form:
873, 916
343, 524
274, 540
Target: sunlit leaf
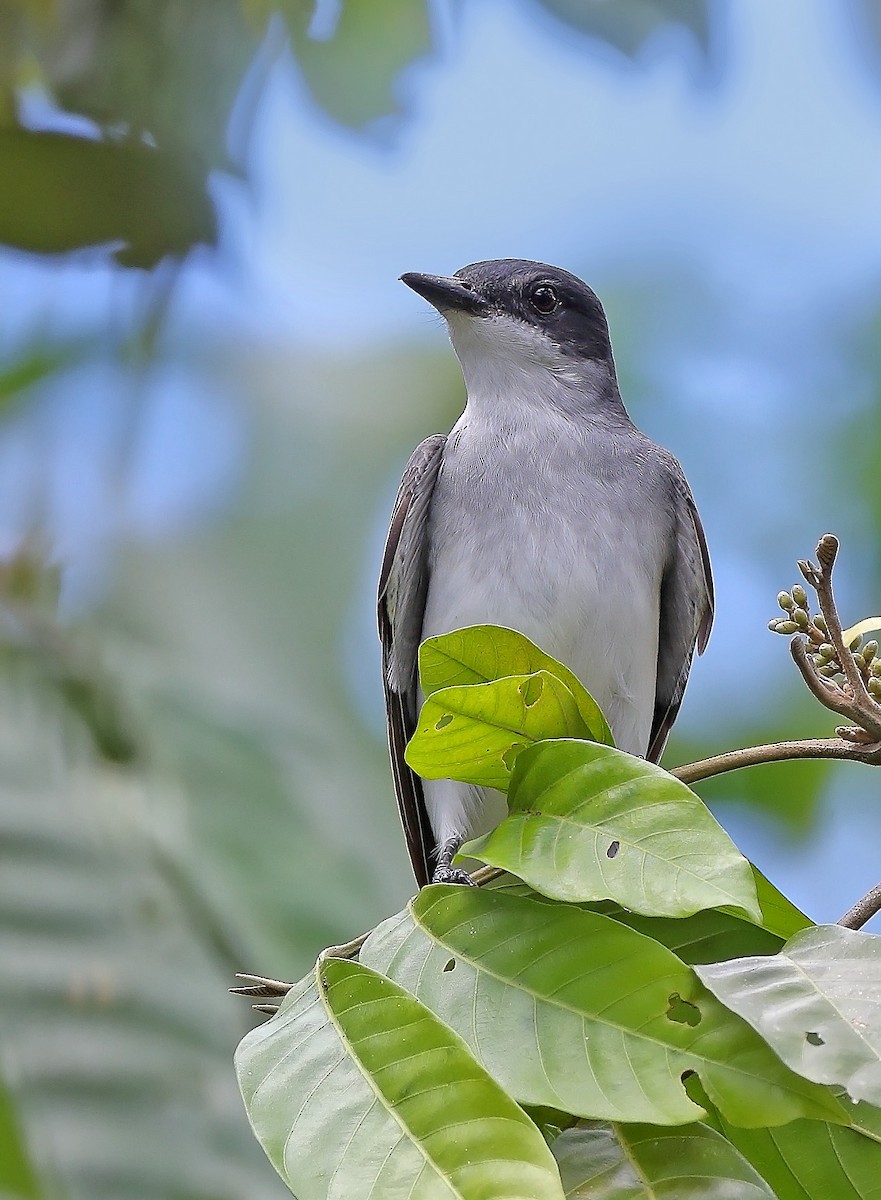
646, 1162
475, 733
482, 653
356, 1089
605, 1021
589, 822
817, 1002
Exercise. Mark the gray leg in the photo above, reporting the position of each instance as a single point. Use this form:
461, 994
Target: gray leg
445, 872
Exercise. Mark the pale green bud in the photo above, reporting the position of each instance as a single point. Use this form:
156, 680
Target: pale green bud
785, 601
800, 596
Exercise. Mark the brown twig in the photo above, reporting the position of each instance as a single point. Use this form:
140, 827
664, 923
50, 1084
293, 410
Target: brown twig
863, 910
752, 756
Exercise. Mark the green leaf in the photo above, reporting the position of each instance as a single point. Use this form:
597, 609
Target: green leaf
645, 1162
475, 733
17, 1177
706, 937
482, 653
779, 915
588, 822
352, 74
604, 1020
815, 1003
356, 1089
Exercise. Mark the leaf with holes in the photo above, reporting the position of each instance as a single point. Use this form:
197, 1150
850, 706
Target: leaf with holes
355, 1088
817, 1003
588, 822
605, 1021
644, 1162
482, 653
475, 733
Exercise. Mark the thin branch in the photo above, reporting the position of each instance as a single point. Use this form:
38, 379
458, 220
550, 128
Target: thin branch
863, 910
752, 756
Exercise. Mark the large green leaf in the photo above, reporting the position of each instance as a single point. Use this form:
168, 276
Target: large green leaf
355, 1090
647, 1162
706, 937
475, 733
588, 822
813, 1160
482, 653
604, 1020
817, 1002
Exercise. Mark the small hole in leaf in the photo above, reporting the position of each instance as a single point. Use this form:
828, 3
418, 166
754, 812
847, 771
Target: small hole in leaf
510, 755
613, 849
444, 721
814, 1039
531, 690
683, 1012
450, 964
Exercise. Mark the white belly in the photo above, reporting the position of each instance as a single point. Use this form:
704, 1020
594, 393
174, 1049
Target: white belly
570, 574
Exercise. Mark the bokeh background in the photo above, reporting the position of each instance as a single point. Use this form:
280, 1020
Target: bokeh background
210, 379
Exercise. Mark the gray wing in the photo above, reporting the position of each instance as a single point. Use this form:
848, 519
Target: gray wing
687, 607
403, 583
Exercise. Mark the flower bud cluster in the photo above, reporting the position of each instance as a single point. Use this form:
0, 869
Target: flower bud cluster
797, 618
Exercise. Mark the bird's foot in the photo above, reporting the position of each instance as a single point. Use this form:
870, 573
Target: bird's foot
445, 872
452, 875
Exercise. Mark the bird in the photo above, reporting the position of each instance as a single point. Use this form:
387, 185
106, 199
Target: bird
544, 510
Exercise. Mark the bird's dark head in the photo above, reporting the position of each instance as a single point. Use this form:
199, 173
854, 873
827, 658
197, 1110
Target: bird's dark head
543, 310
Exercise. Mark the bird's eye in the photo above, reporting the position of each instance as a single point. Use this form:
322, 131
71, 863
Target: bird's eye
544, 298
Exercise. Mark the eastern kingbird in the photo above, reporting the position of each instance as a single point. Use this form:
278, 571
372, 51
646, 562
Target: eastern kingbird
545, 510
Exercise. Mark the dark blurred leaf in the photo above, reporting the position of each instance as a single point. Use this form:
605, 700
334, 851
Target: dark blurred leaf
352, 75
166, 68
61, 193
628, 26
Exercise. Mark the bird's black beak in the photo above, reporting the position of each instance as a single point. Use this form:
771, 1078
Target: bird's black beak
445, 292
